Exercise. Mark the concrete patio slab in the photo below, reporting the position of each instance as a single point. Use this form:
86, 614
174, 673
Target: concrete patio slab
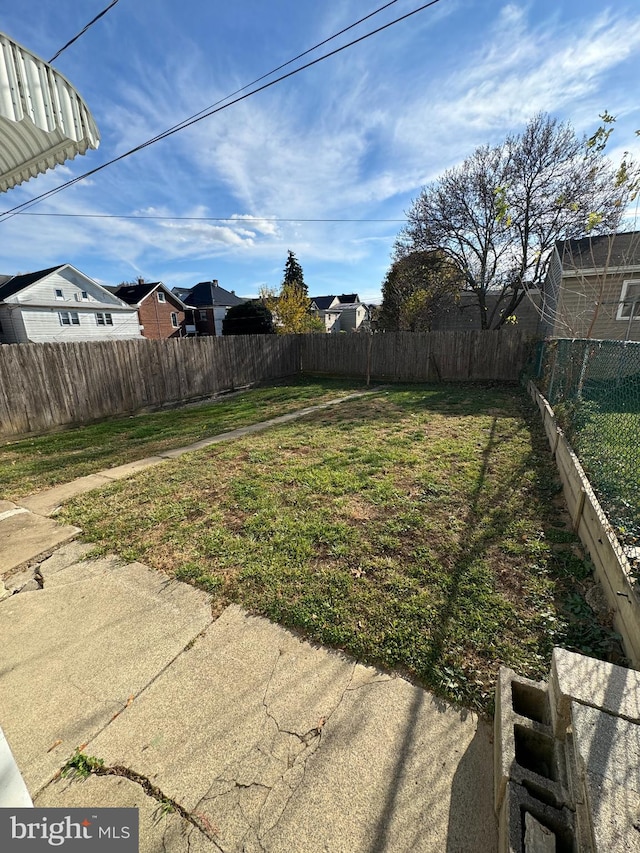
25, 537
160, 831
284, 746
76, 652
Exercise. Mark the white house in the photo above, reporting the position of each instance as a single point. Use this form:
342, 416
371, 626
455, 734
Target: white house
62, 304
344, 313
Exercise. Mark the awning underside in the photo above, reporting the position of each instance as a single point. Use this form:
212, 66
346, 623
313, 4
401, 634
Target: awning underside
43, 120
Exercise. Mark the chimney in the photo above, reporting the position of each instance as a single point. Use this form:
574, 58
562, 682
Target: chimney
140, 280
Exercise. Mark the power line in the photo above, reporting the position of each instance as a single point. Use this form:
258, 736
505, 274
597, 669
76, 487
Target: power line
174, 128
238, 220
206, 114
275, 70
83, 30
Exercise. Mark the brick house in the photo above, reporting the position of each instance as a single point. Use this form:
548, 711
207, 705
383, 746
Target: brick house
162, 314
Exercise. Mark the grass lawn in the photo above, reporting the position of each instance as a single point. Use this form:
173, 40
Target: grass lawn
28, 465
610, 452
418, 529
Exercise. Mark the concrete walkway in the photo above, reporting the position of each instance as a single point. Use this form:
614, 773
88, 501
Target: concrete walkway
228, 734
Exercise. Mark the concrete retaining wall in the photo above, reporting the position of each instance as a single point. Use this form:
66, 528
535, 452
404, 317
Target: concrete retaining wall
592, 526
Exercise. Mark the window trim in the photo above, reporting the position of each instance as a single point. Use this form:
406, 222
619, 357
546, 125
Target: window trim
203, 314
161, 296
174, 319
104, 318
58, 293
621, 305
69, 318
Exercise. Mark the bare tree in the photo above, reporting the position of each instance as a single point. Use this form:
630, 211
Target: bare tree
498, 215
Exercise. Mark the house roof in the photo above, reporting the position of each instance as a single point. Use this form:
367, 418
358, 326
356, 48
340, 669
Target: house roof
601, 250
133, 294
19, 282
209, 293
323, 303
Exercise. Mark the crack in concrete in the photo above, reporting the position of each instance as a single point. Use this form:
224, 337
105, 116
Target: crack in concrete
289, 749
164, 802
310, 740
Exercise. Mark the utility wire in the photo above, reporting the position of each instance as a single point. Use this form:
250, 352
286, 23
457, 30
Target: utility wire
239, 220
191, 118
273, 71
200, 116
83, 30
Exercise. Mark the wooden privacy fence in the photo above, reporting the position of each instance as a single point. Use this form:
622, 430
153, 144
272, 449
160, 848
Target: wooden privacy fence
43, 386
47, 385
420, 356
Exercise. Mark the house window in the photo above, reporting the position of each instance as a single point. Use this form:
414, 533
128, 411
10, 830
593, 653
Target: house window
161, 296
203, 315
85, 296
68, 318
59, 293
629, 301
174, 319
103, 319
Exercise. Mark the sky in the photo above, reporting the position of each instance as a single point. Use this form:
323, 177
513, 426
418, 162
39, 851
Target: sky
353, 138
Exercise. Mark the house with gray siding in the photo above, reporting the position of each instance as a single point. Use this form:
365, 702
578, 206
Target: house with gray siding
210, 304
592, 288
62, 304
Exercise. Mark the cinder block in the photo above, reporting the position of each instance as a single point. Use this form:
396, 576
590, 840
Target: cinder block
537, 838
516, 805
525, 751
592, 682
606, 763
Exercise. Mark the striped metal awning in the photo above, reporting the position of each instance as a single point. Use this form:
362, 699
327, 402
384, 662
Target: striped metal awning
43, 120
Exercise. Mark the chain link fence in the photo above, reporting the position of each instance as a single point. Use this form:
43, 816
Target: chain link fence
594, 389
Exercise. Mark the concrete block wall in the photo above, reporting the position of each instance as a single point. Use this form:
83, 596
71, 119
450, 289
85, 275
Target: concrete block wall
567, 758
590, 522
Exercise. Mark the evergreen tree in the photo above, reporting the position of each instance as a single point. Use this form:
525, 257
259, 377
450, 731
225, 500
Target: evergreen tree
293, 275
414, 289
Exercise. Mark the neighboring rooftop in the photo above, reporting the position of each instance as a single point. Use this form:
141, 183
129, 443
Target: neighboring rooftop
133, 294
601, 250
13, 284
323, 303
209, 293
